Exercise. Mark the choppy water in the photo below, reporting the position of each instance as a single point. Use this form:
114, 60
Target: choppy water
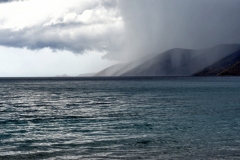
120, 118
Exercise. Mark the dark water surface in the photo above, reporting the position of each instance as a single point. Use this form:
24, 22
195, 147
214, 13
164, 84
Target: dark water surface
120, 118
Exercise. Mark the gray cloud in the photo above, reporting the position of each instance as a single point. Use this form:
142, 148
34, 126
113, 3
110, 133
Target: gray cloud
48, 37
72, 35
109, 3
150, 26
7, 1
153, 26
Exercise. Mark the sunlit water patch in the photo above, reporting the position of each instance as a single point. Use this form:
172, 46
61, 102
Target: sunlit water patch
120, 118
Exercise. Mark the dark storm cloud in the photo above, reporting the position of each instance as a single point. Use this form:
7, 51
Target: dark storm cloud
6, 1
155, 26
48, 37
150, 26
109, 3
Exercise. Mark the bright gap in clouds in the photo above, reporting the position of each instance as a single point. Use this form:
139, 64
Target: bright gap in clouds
33, 30
45, 63
73, 25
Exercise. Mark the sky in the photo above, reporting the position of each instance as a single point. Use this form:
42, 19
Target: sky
56, 37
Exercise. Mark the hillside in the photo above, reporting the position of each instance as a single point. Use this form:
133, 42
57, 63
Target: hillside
179, 62
118, 69
110, 70
229, 65
182, 62
234, 70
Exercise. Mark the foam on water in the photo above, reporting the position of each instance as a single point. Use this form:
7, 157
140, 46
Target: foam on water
120, 118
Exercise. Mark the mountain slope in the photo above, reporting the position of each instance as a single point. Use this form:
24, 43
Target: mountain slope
234, 70
229, 65
182, 62
110, 70
163, 64
118, 69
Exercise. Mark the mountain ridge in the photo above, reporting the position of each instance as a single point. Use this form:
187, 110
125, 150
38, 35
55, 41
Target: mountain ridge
173, 62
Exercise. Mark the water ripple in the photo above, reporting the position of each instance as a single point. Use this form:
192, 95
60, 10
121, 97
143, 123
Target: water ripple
182, 118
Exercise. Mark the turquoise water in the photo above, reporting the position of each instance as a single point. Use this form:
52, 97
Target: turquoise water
120, 118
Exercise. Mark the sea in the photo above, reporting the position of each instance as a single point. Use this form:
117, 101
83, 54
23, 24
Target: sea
120, 118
